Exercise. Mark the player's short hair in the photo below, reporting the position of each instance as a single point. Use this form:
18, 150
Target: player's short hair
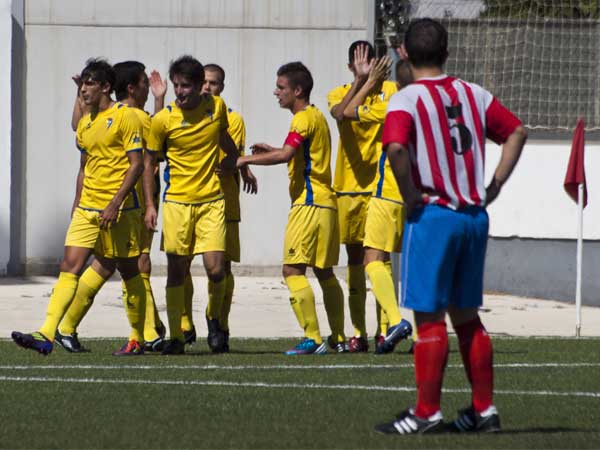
298, 75
370, 54
98, 69
127, 72
426, 43
188, 67
403, 74
216, 68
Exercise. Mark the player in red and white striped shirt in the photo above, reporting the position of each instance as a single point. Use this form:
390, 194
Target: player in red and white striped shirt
434, 135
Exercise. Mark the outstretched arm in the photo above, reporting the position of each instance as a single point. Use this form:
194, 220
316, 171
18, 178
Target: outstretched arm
377, 74
265, 155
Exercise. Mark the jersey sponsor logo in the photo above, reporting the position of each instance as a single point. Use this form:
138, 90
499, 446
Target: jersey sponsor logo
109, 122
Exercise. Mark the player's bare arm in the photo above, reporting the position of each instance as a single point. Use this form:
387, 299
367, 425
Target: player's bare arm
158, 86
511, 152
230, 149
400, 163
265, 155
378, 72
108, 216
361, 68
151, 215
79, 108
79, 183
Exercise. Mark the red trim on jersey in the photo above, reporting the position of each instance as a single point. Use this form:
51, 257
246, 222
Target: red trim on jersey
445, 131
436, 173
294, 139
398, 127
501, 123
468, 155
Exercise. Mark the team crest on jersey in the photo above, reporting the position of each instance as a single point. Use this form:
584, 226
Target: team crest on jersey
185, 123
109, 122
136, 139
382, 96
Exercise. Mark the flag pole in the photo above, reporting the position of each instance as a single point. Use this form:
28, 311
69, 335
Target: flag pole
579, 260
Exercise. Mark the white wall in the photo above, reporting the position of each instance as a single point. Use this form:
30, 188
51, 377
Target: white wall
533, 203
249, 38
5, 131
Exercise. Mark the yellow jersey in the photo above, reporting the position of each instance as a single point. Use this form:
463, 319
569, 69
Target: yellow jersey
385, 182
106, 138
359, 145
145, 119
231, 183
310, 168
190, 141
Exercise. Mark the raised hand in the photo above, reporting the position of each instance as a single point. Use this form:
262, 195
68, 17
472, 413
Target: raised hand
362, 65
380, 69
158, 86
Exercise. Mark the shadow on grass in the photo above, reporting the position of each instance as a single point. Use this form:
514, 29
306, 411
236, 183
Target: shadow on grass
548, 430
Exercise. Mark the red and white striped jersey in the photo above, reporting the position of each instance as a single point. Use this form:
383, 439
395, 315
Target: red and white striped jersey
444, 121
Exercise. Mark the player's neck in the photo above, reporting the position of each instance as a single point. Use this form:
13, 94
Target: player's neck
131, 103
426, 72
299, 105
103, 105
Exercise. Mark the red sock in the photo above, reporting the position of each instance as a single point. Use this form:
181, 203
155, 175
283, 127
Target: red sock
477, 356
431, 355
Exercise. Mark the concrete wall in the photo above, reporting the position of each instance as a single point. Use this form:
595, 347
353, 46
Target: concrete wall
250, 39
5, 132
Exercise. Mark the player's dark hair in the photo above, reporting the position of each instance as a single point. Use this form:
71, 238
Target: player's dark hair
216, 68
127, 72
188, 67
298, 75
426, 42
403, 74
371, 51
98, 69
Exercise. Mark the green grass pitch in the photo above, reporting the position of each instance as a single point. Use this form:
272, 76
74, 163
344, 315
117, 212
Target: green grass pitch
548, 395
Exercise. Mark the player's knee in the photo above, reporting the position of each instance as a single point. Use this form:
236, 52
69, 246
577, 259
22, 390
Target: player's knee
215, 273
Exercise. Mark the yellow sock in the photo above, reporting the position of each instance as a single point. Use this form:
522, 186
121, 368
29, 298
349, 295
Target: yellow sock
333, 297
135, 307
151, 314
383, 288
357, 297
302, 300
61, 298
187, 319
216, 296
229, 288
382, 320
175, 303
89, 284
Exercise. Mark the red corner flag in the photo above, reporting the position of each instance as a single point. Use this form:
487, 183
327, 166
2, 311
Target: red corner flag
576, 171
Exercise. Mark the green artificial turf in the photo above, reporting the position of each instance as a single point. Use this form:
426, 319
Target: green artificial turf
255, 397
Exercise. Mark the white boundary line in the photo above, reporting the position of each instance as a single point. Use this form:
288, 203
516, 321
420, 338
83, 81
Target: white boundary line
283, 386
281, 366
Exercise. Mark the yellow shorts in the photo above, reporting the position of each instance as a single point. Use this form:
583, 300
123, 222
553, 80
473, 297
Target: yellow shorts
193, 229
119, 241
384, 225
232, 241
312, 237
352, 212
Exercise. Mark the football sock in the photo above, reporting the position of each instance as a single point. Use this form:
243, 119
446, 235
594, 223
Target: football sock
382, 320
333, 298
357, 296
60, 300
175, 303
135, 307
89, 284
431, 355
383, 288
151, 322
477, 355
187, 319
216, 296
229, 287
302, 300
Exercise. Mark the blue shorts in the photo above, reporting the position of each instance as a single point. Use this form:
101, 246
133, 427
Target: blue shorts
443, 254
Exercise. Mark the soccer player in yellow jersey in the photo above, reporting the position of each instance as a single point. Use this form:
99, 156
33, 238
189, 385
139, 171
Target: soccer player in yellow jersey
131, 88
386, 214
312, 233
191, 131
106, 220
354, 181
214, 83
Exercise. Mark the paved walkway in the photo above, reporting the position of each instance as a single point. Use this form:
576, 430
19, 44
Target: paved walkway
261, 309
